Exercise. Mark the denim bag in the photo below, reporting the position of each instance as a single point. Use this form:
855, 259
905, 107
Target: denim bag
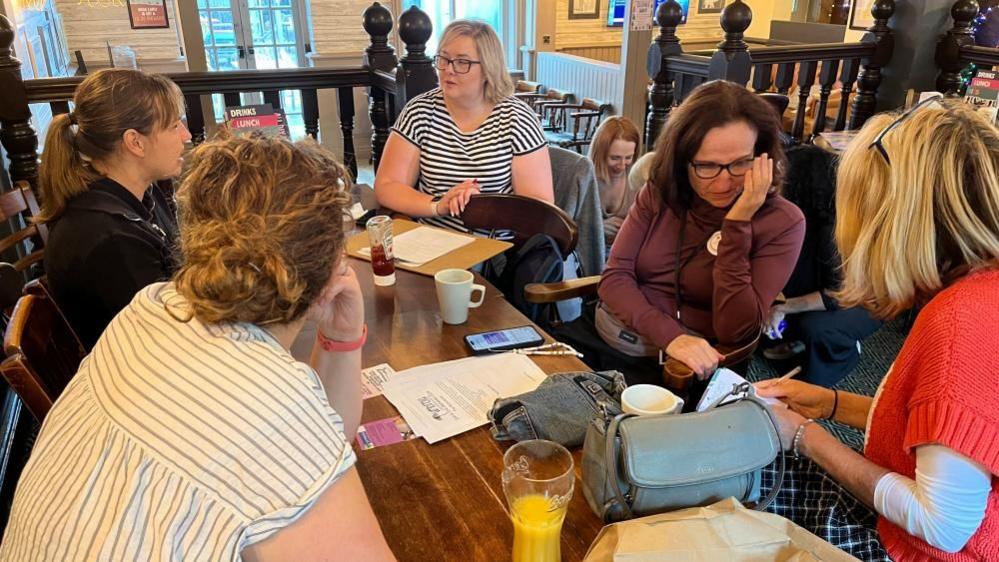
560, 409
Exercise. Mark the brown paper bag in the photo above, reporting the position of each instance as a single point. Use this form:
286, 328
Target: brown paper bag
722, 531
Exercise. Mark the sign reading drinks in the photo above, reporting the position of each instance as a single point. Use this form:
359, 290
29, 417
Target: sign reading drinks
263, 119
983, 93
148, 14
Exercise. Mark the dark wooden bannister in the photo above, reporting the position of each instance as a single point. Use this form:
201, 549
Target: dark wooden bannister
957, 49
391, 82
770, 69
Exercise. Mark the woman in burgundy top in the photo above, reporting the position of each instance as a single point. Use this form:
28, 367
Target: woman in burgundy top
709, 243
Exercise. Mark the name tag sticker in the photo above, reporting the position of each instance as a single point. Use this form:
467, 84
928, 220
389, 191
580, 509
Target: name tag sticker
713, 243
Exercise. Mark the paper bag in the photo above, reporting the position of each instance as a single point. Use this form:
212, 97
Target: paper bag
722, 531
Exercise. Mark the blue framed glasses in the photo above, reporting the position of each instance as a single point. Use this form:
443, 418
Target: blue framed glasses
935, 102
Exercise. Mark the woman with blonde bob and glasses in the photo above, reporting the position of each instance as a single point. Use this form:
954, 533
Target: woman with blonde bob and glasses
190, 432
113, 230
917, 209
468, 136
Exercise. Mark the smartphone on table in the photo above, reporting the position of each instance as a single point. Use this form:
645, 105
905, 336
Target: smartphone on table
503, 340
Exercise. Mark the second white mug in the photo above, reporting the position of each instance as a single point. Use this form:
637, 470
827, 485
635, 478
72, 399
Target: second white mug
454, 293
649, 399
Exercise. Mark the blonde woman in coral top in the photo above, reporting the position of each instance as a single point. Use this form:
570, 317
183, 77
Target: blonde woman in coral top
917, 224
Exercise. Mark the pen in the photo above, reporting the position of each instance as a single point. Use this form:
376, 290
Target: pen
790, 374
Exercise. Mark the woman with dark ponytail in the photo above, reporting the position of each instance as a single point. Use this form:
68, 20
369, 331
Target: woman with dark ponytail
112, 229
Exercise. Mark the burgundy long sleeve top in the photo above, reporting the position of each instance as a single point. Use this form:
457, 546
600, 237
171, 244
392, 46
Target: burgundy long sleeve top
724, 298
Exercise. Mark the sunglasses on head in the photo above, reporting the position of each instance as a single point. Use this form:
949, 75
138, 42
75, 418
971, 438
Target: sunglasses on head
934, 102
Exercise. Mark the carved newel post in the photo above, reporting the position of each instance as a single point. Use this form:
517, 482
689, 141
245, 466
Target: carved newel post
661, 93
948, 55
16, 133
732, 60
866, 101
415, 73
379, 55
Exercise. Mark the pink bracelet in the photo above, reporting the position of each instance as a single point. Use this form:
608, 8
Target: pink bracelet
342, 346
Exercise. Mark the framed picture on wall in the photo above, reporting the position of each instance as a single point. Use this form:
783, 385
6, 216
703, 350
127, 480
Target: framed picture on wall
710, 6
584, 9
147, 14
860, 15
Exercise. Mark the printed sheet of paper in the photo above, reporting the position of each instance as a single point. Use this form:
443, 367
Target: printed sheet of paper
423, 244
721, 384
442, 400
641, 15
384, 432
373, 378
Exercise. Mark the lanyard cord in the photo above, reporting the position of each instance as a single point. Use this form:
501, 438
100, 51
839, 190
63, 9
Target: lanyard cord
683, 263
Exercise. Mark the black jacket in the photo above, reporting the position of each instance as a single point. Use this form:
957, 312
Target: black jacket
104, 248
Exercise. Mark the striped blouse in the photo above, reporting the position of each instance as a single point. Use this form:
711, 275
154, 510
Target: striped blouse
175, 441
449, 156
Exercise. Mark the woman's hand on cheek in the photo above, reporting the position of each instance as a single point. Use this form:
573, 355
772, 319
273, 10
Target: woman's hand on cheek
757, 184
339, 310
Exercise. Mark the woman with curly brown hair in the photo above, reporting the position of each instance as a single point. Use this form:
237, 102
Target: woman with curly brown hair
190, 432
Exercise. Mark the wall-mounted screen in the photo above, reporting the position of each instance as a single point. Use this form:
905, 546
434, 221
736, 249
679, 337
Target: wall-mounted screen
615, 12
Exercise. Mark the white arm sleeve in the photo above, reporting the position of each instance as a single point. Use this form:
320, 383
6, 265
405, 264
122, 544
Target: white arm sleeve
944, 505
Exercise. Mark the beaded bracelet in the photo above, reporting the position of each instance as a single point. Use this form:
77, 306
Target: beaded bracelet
797, 437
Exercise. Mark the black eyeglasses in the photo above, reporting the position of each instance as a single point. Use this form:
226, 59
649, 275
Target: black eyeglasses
710, 170
460, 66
935, 102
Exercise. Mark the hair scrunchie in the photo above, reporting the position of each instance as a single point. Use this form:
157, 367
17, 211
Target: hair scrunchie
72, 117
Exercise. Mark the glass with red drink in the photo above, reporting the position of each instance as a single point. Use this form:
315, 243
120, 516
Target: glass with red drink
382, 259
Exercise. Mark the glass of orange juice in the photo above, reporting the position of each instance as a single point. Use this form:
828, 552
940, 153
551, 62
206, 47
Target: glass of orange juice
538, 478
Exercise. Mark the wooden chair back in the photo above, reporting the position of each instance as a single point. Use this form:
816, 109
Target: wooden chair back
526, 86
18, 206
524, 216
42, 351
548, 109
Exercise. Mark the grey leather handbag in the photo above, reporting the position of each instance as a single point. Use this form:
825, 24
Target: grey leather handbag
642, 465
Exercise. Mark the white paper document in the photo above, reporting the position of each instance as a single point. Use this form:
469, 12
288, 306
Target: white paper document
721, 384
373, 378
444, 399
423, 244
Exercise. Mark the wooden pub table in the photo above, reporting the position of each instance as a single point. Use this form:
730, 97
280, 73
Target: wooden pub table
444, 501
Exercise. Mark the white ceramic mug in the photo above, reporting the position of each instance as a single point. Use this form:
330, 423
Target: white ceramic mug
454, 293
649, 399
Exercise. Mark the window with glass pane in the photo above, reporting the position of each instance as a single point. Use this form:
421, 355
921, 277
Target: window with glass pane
254, 34
443, 12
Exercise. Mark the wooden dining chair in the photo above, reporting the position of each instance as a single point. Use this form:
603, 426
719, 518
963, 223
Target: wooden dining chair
20, 206
524, 216
551, 118
526, 263
42, 351
585, 118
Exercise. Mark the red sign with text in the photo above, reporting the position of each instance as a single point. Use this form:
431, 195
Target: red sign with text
147, 15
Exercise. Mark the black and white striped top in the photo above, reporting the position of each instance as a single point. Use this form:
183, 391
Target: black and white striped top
449, 156
175, 441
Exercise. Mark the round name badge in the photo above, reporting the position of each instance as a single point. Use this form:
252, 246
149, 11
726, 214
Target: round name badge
713, 243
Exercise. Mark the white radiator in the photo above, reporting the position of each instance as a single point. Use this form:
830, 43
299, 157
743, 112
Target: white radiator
584, 78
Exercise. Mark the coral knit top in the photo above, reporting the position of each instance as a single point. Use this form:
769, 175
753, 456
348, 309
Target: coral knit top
944, 389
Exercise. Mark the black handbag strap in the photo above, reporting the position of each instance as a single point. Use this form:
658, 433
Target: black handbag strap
610, 457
